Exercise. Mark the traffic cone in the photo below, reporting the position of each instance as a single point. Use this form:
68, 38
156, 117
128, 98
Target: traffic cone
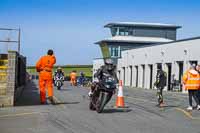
120, 97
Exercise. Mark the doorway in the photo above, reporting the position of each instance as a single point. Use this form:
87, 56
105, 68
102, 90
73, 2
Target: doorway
151, 76
136, 81
169, 73
131, 75
180, 73
143, 75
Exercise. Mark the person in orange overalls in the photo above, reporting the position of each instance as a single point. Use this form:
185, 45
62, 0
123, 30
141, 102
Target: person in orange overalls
191, 82
44, 66
73, 78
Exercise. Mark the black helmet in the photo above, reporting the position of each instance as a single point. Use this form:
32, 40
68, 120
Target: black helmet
50, 52
159, 67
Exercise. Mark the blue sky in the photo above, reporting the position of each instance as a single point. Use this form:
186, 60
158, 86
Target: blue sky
71, 27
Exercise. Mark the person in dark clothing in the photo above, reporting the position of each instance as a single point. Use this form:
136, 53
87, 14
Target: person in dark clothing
109, 69
198, 93
81, 78
160, 83
58, 73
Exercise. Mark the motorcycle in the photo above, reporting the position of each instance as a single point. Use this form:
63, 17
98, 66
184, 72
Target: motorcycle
102, 93
59, 82
80, 81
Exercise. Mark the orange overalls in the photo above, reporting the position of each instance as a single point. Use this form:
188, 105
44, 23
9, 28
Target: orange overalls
73, 78
44, 66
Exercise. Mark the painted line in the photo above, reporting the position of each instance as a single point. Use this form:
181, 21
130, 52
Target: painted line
185, 113
189, 115
21, 114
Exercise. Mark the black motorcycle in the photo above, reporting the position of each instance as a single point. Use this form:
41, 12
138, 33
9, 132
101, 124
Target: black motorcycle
102, 93
59, 82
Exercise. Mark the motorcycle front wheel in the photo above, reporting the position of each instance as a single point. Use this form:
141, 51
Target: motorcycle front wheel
104, 98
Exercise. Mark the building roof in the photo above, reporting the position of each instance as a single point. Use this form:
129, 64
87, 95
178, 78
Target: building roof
134, 39
163, 43
141, 24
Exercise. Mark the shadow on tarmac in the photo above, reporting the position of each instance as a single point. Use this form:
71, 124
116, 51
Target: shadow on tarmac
58, 103
113, 110
30, 95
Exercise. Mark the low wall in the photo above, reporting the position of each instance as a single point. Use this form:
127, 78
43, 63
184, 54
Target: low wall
12, 77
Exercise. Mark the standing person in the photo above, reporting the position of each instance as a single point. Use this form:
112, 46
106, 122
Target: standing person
191, 83
73, 78
161, 79
198, 69
44, 66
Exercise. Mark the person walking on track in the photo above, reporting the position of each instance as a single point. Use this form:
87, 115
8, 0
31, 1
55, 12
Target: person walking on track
44, 66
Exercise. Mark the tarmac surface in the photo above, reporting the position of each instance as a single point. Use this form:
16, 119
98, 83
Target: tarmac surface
72, 115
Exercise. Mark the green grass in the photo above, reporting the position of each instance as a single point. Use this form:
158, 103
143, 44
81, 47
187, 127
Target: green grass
87, 69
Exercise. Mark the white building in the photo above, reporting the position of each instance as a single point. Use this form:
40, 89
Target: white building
139, 47
137, 67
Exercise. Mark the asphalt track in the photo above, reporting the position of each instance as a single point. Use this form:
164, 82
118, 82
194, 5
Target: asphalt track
71, 113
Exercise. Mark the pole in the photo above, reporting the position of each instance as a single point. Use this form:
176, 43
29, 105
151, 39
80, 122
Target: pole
19, 41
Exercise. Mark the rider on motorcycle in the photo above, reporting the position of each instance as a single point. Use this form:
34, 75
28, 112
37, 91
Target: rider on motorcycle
108, 68
58, 73
81, 78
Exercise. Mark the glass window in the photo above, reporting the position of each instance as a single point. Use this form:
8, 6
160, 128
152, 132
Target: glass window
114, 51
121, 32
114, 31
125, 31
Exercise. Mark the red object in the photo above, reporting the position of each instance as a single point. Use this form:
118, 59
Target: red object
120, 97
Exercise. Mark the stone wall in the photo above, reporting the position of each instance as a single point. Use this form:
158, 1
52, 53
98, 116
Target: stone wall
12, 77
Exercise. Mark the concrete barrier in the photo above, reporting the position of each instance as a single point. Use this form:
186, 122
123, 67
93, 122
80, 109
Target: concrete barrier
12, 77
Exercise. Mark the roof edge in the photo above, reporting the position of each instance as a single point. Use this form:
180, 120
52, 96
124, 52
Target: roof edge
142, 25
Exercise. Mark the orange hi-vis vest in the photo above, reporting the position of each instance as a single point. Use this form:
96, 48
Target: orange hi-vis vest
191, 80
73, 75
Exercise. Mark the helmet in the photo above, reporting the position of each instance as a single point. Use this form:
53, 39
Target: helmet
81, 73
159, 67
50, 52
109, 63
59, 69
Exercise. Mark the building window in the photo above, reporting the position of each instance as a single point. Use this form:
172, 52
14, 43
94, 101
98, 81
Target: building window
125, 31
114, 31
121, 32
114, 51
